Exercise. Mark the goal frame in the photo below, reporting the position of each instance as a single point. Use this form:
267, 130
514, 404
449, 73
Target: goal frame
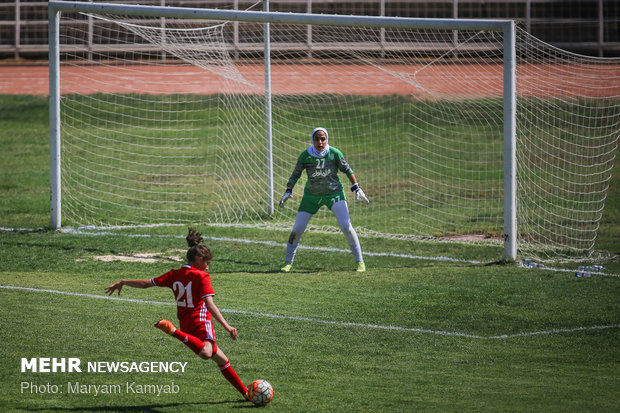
506, 27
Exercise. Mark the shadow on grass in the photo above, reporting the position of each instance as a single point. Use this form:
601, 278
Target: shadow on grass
155, 408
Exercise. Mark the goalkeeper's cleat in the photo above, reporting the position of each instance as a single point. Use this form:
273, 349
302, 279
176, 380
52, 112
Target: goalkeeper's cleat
361, 267
165, 326
287, 267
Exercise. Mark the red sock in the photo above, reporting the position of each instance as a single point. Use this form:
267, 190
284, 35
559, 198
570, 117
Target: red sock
232, 377
190, 341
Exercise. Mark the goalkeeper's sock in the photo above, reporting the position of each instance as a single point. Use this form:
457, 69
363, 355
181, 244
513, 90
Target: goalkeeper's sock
194, 343
233, 378
341, 212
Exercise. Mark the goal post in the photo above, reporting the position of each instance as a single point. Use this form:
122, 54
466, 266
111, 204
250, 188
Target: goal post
54, 117
506, 27
510, 142
175, 115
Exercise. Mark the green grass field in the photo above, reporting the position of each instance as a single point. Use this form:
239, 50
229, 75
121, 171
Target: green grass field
408, 335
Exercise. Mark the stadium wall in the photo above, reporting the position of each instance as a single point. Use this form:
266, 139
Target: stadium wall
590, 27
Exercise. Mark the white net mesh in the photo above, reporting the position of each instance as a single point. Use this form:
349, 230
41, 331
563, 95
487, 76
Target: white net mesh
165, 122
568, 129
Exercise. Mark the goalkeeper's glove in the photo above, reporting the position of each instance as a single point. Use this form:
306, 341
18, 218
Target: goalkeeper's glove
359, 194
287, 194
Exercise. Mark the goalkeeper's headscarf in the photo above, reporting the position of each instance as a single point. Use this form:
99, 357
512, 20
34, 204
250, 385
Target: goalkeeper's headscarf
312, 150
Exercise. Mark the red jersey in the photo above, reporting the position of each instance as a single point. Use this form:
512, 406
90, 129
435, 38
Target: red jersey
190, 287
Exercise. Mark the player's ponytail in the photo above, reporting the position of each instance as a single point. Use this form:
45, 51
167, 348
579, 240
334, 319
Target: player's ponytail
193, 238
196, 249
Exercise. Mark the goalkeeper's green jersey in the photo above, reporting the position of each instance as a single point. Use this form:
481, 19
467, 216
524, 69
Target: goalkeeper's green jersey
322, 172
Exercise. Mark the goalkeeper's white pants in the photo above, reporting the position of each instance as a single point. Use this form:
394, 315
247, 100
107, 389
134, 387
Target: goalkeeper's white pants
341, 211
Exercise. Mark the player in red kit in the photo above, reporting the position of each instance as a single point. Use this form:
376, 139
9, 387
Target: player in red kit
191, 285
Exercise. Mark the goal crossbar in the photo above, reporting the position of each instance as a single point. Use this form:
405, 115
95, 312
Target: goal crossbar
278, 17
506, 27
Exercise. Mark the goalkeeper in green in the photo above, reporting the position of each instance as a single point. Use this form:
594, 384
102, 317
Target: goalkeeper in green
322, 163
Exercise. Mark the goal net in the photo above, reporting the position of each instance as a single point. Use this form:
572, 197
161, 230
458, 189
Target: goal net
164, 121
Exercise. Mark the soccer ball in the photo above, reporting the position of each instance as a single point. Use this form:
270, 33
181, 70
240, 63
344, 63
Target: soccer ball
260, 392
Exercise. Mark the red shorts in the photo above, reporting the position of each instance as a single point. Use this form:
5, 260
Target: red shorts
198, 327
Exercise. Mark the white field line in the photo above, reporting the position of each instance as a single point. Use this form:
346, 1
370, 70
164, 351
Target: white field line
341, 250
321, 321
283, 245
279, 244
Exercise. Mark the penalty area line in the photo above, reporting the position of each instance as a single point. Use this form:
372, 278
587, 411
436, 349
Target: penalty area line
328, 322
